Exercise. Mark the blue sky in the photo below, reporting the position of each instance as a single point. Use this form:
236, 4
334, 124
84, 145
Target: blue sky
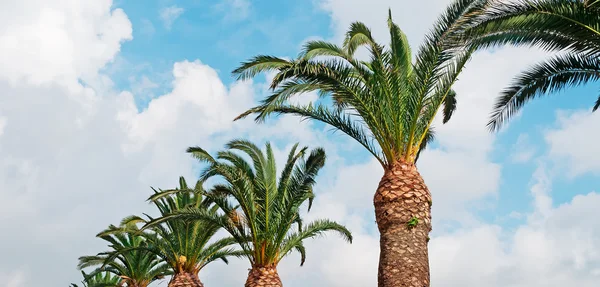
98, 101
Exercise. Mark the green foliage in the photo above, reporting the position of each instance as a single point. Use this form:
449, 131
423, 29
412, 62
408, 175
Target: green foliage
100, 279
387, 103
129, 258
571, 26
260, 208
184, 246
141, 256
412, 223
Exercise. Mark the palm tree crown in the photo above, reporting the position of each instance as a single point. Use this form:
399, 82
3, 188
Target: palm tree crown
129, 259
185, 246
260, 209
386, 103
572, 26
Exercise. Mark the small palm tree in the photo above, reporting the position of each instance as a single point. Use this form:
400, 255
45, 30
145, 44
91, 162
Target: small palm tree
100, 279
184, 246
387, 104
129, 259
259, 207
572, 26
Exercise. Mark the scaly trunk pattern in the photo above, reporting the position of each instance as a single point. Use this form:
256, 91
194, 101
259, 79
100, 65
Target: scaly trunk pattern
263, 277
185, 279
403, 212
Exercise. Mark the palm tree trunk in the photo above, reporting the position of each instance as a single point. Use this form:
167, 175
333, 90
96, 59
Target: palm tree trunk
263, 277
403, 212
185, 279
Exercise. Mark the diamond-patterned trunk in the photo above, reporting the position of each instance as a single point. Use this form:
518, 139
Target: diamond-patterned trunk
403, 212
185, 279
263, 277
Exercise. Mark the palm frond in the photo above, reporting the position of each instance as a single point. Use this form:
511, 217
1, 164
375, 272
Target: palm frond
386, 103
547, 77
258, 206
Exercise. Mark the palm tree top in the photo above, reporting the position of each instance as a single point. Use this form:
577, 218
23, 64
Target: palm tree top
129, 258
258, 206
185, 246
388, 102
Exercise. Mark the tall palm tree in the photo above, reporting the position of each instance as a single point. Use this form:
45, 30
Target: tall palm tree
571, 26
259, 207
100, 279
185, 246
128, 259
387, 104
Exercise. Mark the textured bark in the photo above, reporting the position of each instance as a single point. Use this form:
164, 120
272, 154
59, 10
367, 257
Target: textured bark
401, 196
263, 277
185, 279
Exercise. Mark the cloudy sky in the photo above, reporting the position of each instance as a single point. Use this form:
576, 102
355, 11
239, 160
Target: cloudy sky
99, 99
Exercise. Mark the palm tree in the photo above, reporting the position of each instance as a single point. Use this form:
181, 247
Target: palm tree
571, 26
100, 279
129, 259
387, 104
259, 208
184, 246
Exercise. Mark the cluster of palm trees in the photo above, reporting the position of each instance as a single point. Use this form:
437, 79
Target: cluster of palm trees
387, 103
258, 208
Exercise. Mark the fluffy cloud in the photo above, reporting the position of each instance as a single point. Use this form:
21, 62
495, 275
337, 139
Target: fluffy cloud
556, 247
45, 43
580, 156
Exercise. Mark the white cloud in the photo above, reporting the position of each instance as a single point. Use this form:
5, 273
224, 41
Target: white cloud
577, 156
556, 247
59, 42
168, 15
522, 151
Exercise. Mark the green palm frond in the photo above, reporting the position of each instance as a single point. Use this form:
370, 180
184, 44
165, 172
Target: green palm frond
387, 103
259, 208
317, 228
173, 240
129, 258
102, 279
449, 106
162, 247
547, 77
571, 26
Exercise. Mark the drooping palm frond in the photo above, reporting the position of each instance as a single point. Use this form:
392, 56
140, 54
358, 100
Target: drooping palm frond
547, 77
259, 206
386, 103
571, 26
